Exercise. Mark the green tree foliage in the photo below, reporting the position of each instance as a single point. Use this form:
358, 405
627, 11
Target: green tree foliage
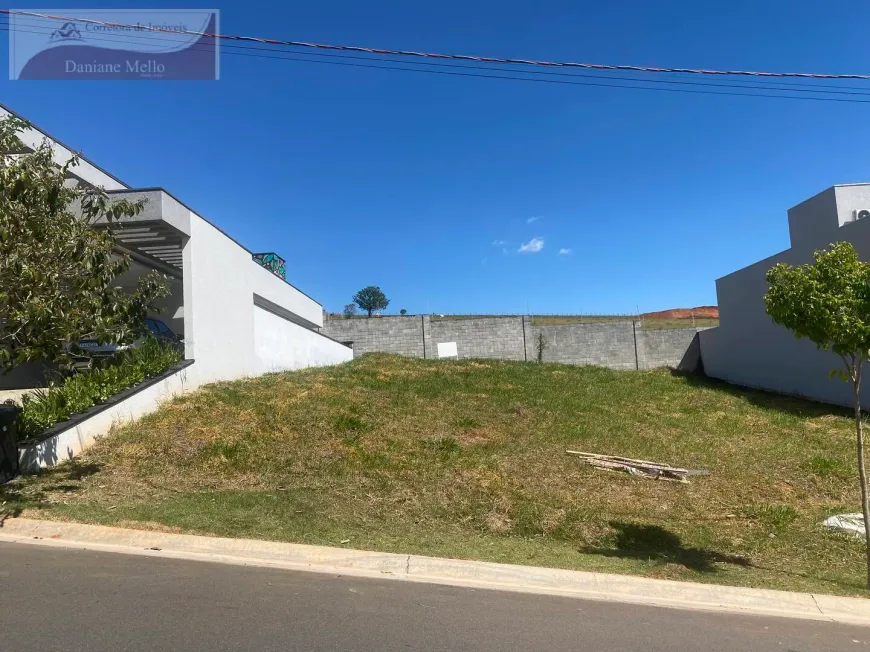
403, 312
57, 271
349, 310
370, 299
828, 302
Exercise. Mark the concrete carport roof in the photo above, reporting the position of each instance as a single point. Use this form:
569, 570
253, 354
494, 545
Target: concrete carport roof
157, 234
153, 238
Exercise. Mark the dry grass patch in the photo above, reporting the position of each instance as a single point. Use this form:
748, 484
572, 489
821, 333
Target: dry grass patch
467, 459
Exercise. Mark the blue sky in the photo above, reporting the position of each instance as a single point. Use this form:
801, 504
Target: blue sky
430, 185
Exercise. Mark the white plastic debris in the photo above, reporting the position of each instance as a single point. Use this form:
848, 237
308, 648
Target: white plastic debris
850, 523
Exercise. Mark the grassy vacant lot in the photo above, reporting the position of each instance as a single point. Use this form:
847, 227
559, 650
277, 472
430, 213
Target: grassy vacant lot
556, 320
650, 324
467, 459
553, 320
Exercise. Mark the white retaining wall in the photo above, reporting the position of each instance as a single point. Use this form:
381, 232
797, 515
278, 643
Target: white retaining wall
226, 333
68, 443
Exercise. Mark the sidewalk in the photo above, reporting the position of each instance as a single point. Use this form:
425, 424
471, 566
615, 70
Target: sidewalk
414, 568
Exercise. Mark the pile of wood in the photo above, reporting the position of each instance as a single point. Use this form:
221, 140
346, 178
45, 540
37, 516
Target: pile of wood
642, 468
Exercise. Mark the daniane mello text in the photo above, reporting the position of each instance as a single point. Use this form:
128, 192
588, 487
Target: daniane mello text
136, 66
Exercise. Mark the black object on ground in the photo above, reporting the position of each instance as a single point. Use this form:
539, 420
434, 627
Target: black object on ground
8, 441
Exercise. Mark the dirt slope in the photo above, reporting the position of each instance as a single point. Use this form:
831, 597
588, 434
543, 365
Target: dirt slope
704, 312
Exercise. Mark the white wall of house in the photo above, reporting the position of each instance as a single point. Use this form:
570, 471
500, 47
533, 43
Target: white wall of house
218, 304
747, 348
281, 345
224, 303
280, 293
226, 333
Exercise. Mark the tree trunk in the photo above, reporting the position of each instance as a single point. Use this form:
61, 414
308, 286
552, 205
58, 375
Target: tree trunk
862, 473
370, 313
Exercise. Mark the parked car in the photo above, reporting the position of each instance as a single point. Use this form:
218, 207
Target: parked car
89, 349
161, 331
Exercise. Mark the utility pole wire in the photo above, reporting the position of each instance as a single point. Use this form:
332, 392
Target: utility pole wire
432, 55
40, 28
775, 93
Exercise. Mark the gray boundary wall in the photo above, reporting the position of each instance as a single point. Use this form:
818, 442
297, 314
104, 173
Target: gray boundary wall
487, 337
606, 344
402, 335
618, 344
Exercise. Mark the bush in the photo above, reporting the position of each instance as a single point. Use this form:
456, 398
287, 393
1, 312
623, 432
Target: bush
80, 391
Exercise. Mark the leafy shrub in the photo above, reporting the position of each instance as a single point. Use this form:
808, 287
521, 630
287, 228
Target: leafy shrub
80, 391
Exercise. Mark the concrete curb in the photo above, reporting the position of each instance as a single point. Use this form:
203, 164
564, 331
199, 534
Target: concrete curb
453, 572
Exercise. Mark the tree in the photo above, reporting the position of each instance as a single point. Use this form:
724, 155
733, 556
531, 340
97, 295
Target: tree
56, 270
403, 312
370, 299
828, 302
349, 310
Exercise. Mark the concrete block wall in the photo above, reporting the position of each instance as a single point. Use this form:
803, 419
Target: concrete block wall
400, 335
673, 347
608, 344
618, 345
499, 338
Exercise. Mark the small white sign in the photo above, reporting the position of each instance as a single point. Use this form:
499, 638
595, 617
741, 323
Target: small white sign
447, 350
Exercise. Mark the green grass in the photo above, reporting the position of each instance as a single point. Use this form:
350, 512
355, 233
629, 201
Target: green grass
467, 459
655, 324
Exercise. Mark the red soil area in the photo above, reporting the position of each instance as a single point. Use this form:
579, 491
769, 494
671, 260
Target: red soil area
702, 312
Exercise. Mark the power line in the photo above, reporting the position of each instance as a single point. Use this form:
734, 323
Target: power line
433, 55
777, 86
774, 93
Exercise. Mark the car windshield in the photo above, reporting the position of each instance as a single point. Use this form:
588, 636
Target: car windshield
157, 327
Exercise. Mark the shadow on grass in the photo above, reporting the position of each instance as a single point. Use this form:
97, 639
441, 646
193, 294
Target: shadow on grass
14, 499
794, 405
655, 543
8, 511
32, 492
76, 471
652, 542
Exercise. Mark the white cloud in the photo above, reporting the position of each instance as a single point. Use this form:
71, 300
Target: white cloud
532, 220
565, 252
533, 246
499, 243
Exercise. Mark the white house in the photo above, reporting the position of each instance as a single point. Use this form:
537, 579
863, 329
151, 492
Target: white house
237, 318
747, 348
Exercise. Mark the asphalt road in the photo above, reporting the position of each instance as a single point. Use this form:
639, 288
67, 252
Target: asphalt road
70, 600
